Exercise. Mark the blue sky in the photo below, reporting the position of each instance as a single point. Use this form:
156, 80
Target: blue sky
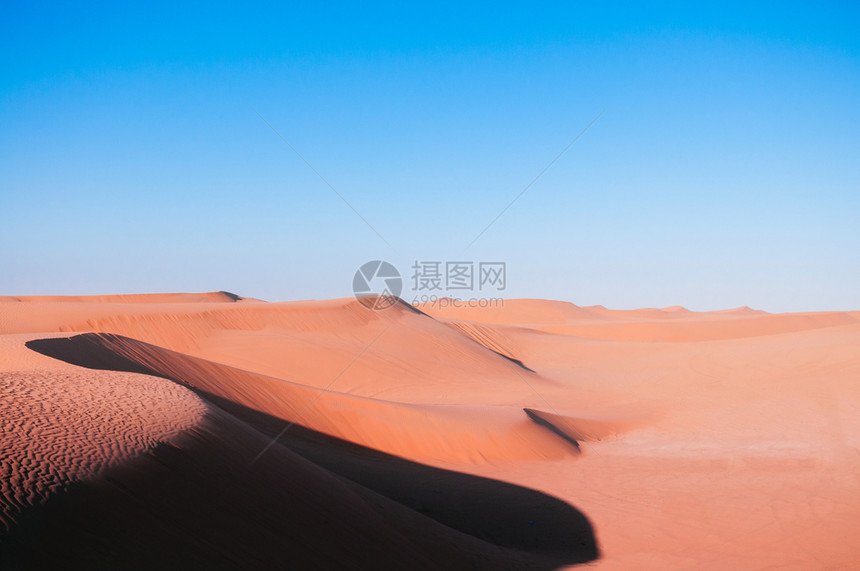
723, 171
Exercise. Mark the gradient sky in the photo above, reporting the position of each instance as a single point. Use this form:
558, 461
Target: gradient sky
724, 171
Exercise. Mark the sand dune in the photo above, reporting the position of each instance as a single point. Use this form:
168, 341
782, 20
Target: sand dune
415, 358
521, 436
513, 311
705, 329
62, 426
210, 297
427, 432
200, 502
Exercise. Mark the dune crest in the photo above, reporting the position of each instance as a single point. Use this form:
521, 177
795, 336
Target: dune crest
451, 433
578, 429
210, 297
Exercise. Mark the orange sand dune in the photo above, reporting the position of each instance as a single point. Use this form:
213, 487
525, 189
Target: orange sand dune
688, 330
513, 311
62, 425
123, 470
460, 434
215, 296
707, 440
32, 314
406, 356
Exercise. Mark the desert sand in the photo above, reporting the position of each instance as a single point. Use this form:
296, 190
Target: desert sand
212, 431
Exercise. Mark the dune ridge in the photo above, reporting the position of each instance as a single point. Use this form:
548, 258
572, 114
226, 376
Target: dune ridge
461, 433
210, 297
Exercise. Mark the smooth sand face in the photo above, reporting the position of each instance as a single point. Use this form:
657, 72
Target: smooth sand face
689, 440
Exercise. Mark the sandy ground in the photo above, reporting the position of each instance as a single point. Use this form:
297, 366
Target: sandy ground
535, 435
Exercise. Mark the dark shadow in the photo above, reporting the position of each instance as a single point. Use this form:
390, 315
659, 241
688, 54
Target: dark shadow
516, 362
231, 295
406, 305
86, 351
504, 514
508, 358
541, 421
548, 532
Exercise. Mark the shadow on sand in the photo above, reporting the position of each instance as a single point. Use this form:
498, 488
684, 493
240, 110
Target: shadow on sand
205, 505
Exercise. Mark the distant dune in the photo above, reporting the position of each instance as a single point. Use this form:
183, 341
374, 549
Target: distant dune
215, 296
213, 431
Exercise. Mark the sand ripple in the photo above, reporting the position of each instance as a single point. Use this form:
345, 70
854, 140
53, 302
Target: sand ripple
62, 427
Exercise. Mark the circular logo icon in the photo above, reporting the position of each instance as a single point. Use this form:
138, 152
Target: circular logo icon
377, 284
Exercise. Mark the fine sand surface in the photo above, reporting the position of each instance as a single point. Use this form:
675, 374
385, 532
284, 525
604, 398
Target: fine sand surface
212, 431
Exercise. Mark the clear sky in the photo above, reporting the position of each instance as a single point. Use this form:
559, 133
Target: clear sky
724, 170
